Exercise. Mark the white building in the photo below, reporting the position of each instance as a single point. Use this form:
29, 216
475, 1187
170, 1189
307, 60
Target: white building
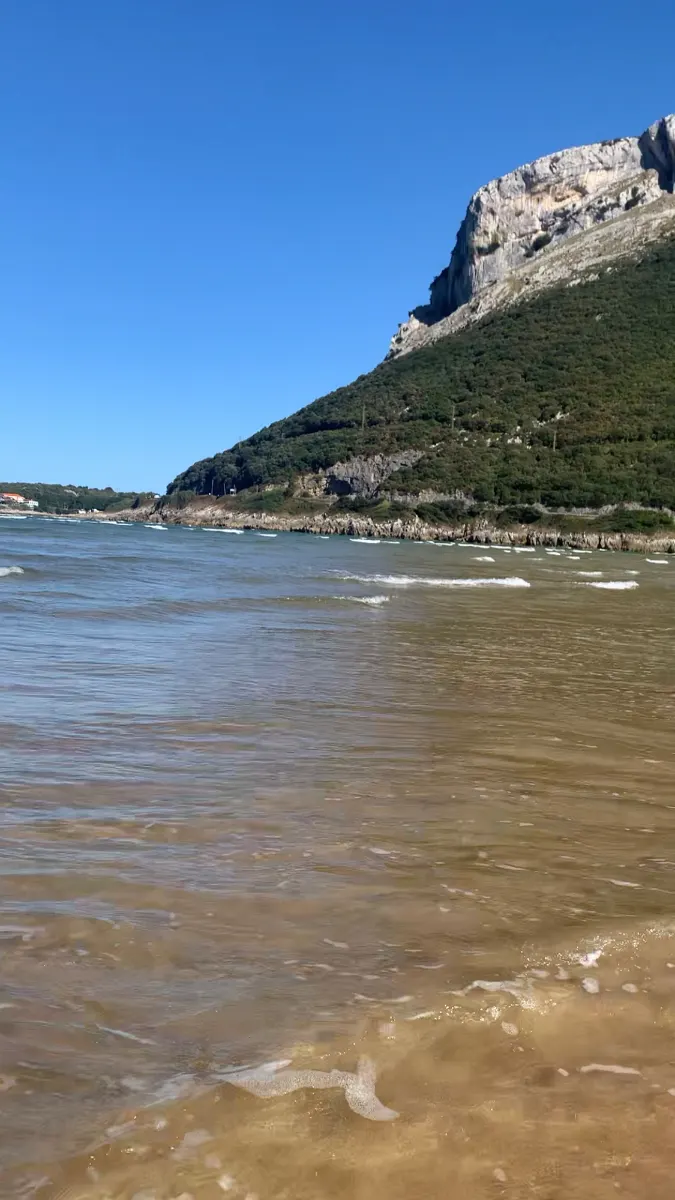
13, 498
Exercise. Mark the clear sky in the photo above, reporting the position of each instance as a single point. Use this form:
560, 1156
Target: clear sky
213, 212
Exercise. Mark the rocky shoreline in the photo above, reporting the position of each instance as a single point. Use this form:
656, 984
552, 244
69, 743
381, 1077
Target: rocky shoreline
413, 529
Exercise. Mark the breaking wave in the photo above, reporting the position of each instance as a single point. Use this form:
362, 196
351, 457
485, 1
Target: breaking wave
614, 585
11, 571
428, 581
373, 601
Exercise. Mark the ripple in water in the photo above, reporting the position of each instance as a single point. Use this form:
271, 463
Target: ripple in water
242, 823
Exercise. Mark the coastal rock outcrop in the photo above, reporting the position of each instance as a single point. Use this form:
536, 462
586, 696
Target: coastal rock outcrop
359, 476
516, 223
207, 511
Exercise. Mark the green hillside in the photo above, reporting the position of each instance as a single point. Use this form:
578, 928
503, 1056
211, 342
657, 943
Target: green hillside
61, 498
565, 400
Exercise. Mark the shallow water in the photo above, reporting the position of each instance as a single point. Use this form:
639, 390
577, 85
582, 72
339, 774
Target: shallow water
246, 821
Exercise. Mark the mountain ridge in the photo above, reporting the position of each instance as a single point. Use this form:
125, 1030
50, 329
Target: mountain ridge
516, 222
565, 399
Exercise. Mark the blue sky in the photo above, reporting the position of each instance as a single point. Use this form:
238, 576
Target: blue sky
212, 213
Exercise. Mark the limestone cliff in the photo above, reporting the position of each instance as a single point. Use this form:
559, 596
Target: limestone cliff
548, 222
358, 476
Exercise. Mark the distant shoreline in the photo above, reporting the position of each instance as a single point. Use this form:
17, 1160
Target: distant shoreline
475, 532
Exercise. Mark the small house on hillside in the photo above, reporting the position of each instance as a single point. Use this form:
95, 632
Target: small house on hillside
14, 499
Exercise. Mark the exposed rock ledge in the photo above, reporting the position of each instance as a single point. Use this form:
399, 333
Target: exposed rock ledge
359, 476
549, 222
475, 531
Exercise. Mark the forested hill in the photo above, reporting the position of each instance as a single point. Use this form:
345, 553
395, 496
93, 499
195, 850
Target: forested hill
70, 498
567, 399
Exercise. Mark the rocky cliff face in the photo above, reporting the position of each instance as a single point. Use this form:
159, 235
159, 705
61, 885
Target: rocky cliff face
547, 221
359, 476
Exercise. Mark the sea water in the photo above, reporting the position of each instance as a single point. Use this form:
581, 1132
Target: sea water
331, 879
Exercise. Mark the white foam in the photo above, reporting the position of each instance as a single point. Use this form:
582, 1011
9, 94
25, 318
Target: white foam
376, 1000
14, 516
214, 529
483, 558
148, 526
358, 1087
123, 1033
427, 581
265, 535
590, 959
524, 549
609, 1068
367, 541
514, 987
616, 585
373, 601
590, 985
11, 571
590, 574
658, 561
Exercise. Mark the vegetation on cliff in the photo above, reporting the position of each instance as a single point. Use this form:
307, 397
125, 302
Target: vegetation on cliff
567, 400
